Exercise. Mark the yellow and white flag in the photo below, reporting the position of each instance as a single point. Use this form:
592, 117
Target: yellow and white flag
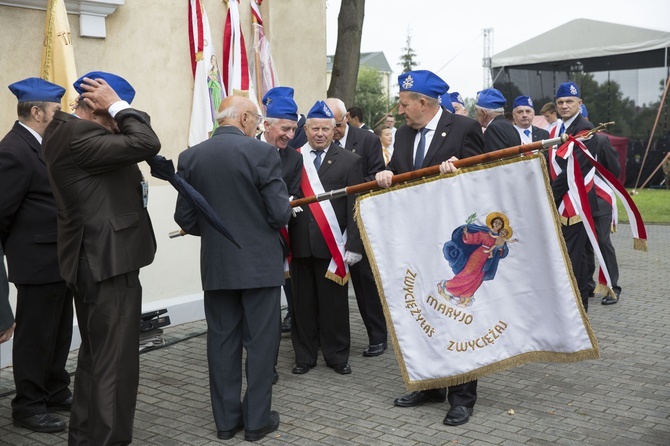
58, 53
474, 274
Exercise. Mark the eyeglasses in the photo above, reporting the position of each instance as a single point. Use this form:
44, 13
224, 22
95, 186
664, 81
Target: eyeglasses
341, 123
259, 118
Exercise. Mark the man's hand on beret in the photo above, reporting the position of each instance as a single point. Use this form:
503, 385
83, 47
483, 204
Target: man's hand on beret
99, 95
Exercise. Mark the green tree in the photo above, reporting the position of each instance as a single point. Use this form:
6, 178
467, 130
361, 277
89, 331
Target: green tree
408, 57
370, 95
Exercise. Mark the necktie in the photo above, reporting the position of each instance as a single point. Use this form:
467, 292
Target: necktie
562, 129
317, 159
338, 143
420, 149
526, 132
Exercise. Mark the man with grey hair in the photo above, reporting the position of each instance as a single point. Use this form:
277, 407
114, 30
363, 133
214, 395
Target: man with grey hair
499, 133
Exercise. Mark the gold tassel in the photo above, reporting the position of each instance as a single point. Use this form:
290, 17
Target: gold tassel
640, 244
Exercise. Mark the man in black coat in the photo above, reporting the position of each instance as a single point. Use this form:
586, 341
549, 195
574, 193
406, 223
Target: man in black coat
523, 114
324, 240
6, 316
104, 238
368, 146
499, 133
28, 228
446, 136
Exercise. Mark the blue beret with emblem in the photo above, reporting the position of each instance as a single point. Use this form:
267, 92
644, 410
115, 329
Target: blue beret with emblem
456, 97
320, 111
583, 111
35, 89
490, 98
279, 104
567, 89
121, 86
523, 101
424, 82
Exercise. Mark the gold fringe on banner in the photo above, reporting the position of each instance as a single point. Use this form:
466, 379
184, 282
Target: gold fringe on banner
640, 244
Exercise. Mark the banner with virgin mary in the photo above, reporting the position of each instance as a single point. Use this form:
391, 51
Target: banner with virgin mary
473, 273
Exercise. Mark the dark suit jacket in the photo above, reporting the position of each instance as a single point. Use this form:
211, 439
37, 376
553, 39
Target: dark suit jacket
291, 168
455, 135
97, 186
500, 134
27, 211
241, 178
340, 168
368, 146
6, 316
539, 134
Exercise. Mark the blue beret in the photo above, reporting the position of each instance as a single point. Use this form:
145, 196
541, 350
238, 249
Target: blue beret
320, 111
522, 101
583, 111
456, 97
490, 98
35, 89
449, 106
424, 82
121, 86
279, 104
567, 89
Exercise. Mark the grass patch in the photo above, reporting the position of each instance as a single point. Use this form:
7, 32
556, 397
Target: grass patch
653, 204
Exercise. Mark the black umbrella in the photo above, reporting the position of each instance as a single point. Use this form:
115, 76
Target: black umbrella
163, 169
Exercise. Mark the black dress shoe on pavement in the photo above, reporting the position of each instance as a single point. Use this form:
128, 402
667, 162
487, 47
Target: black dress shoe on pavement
286, 325
423, 396
42, 422
227, 435
257, 434
609, 300
342, 369
65, 405
301, 369
458, 415
374, 349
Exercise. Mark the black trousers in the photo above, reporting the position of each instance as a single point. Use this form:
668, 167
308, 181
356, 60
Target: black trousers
576, 240
320, 314
236, 320
603, 224
369, 303
41, 345
108, 367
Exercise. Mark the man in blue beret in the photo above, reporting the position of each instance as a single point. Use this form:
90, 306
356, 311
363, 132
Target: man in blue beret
281, 121
458, 103
432, 136
239, 176
104, 238
368, 146
499, 133
523, 114
28, 228
321, 257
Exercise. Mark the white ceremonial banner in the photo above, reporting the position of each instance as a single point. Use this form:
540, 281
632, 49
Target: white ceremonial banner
474, 274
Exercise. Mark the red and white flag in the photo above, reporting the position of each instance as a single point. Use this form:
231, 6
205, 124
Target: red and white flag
208, 89
235, 63
262, 68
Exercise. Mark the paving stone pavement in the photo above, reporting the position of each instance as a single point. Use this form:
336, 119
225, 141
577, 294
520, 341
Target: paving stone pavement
621, 399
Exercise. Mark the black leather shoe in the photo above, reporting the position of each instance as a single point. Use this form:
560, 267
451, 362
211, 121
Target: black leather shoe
375, 349
420, 397
275, 376
227, 435
286, 325
257, 434
42, 422
301, 369
342, 369
458, 415
609, 300
65, 405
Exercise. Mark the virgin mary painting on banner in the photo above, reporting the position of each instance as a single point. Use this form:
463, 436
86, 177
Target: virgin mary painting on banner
462, 297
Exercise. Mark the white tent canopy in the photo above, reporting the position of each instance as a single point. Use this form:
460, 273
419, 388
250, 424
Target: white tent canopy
581, 39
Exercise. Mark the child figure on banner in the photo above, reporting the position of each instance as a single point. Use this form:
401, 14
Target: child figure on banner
473, 254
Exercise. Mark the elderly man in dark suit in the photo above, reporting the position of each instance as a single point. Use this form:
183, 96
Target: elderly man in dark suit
104, 238
368, 146
28, 233
523, 114
324, 242
433, 136
240, 177
499, 133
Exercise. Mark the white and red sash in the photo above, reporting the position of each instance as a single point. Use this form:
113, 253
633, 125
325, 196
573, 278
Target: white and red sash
325, 217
